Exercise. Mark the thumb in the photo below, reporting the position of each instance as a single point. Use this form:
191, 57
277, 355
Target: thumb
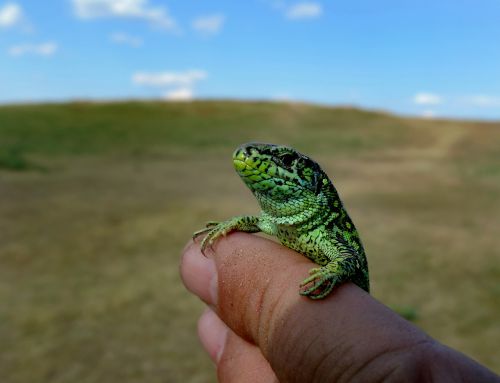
345, 336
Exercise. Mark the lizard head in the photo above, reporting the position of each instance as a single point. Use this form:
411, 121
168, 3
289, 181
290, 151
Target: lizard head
278, 172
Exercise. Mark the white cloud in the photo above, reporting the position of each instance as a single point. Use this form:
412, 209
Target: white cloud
11, 14
132, 9
175, 85
482, 101
304, 10
123, 38
282, 97
209, 25
180, 94
427, 99
429, 114
44, 49
166, 79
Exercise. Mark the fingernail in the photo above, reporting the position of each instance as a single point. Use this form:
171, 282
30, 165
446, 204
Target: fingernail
199, 274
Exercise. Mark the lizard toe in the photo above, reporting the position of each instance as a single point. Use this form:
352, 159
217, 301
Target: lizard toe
318, 285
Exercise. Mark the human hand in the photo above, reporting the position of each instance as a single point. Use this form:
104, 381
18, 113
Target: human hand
259, 329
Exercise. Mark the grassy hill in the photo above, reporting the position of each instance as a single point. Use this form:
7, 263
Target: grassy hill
97, 201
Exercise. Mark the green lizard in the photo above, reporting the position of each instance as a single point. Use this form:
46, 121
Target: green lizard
301, 207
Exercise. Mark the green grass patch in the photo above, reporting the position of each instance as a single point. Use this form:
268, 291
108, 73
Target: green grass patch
13, 159
89, 284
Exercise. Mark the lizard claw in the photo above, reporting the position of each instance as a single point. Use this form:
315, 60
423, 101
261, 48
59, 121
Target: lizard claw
208, 227
206, 242
197, 233
213, 231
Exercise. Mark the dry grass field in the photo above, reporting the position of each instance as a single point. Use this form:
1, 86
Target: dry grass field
97, 201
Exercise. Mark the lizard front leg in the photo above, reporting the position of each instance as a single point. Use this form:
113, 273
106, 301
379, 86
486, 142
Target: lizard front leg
215, 230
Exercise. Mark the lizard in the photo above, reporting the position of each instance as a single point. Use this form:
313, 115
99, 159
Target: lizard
302, 208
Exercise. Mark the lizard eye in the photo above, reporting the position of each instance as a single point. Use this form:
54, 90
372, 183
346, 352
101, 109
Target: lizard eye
287, 159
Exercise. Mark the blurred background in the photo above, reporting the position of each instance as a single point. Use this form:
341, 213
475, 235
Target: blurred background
117, 122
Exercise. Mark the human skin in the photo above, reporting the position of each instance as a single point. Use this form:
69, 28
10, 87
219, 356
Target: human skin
259, 329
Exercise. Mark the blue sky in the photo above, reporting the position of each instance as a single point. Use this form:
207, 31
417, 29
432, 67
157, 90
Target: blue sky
427, 58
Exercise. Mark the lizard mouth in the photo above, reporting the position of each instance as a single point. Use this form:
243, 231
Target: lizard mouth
239, 159
244, 159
